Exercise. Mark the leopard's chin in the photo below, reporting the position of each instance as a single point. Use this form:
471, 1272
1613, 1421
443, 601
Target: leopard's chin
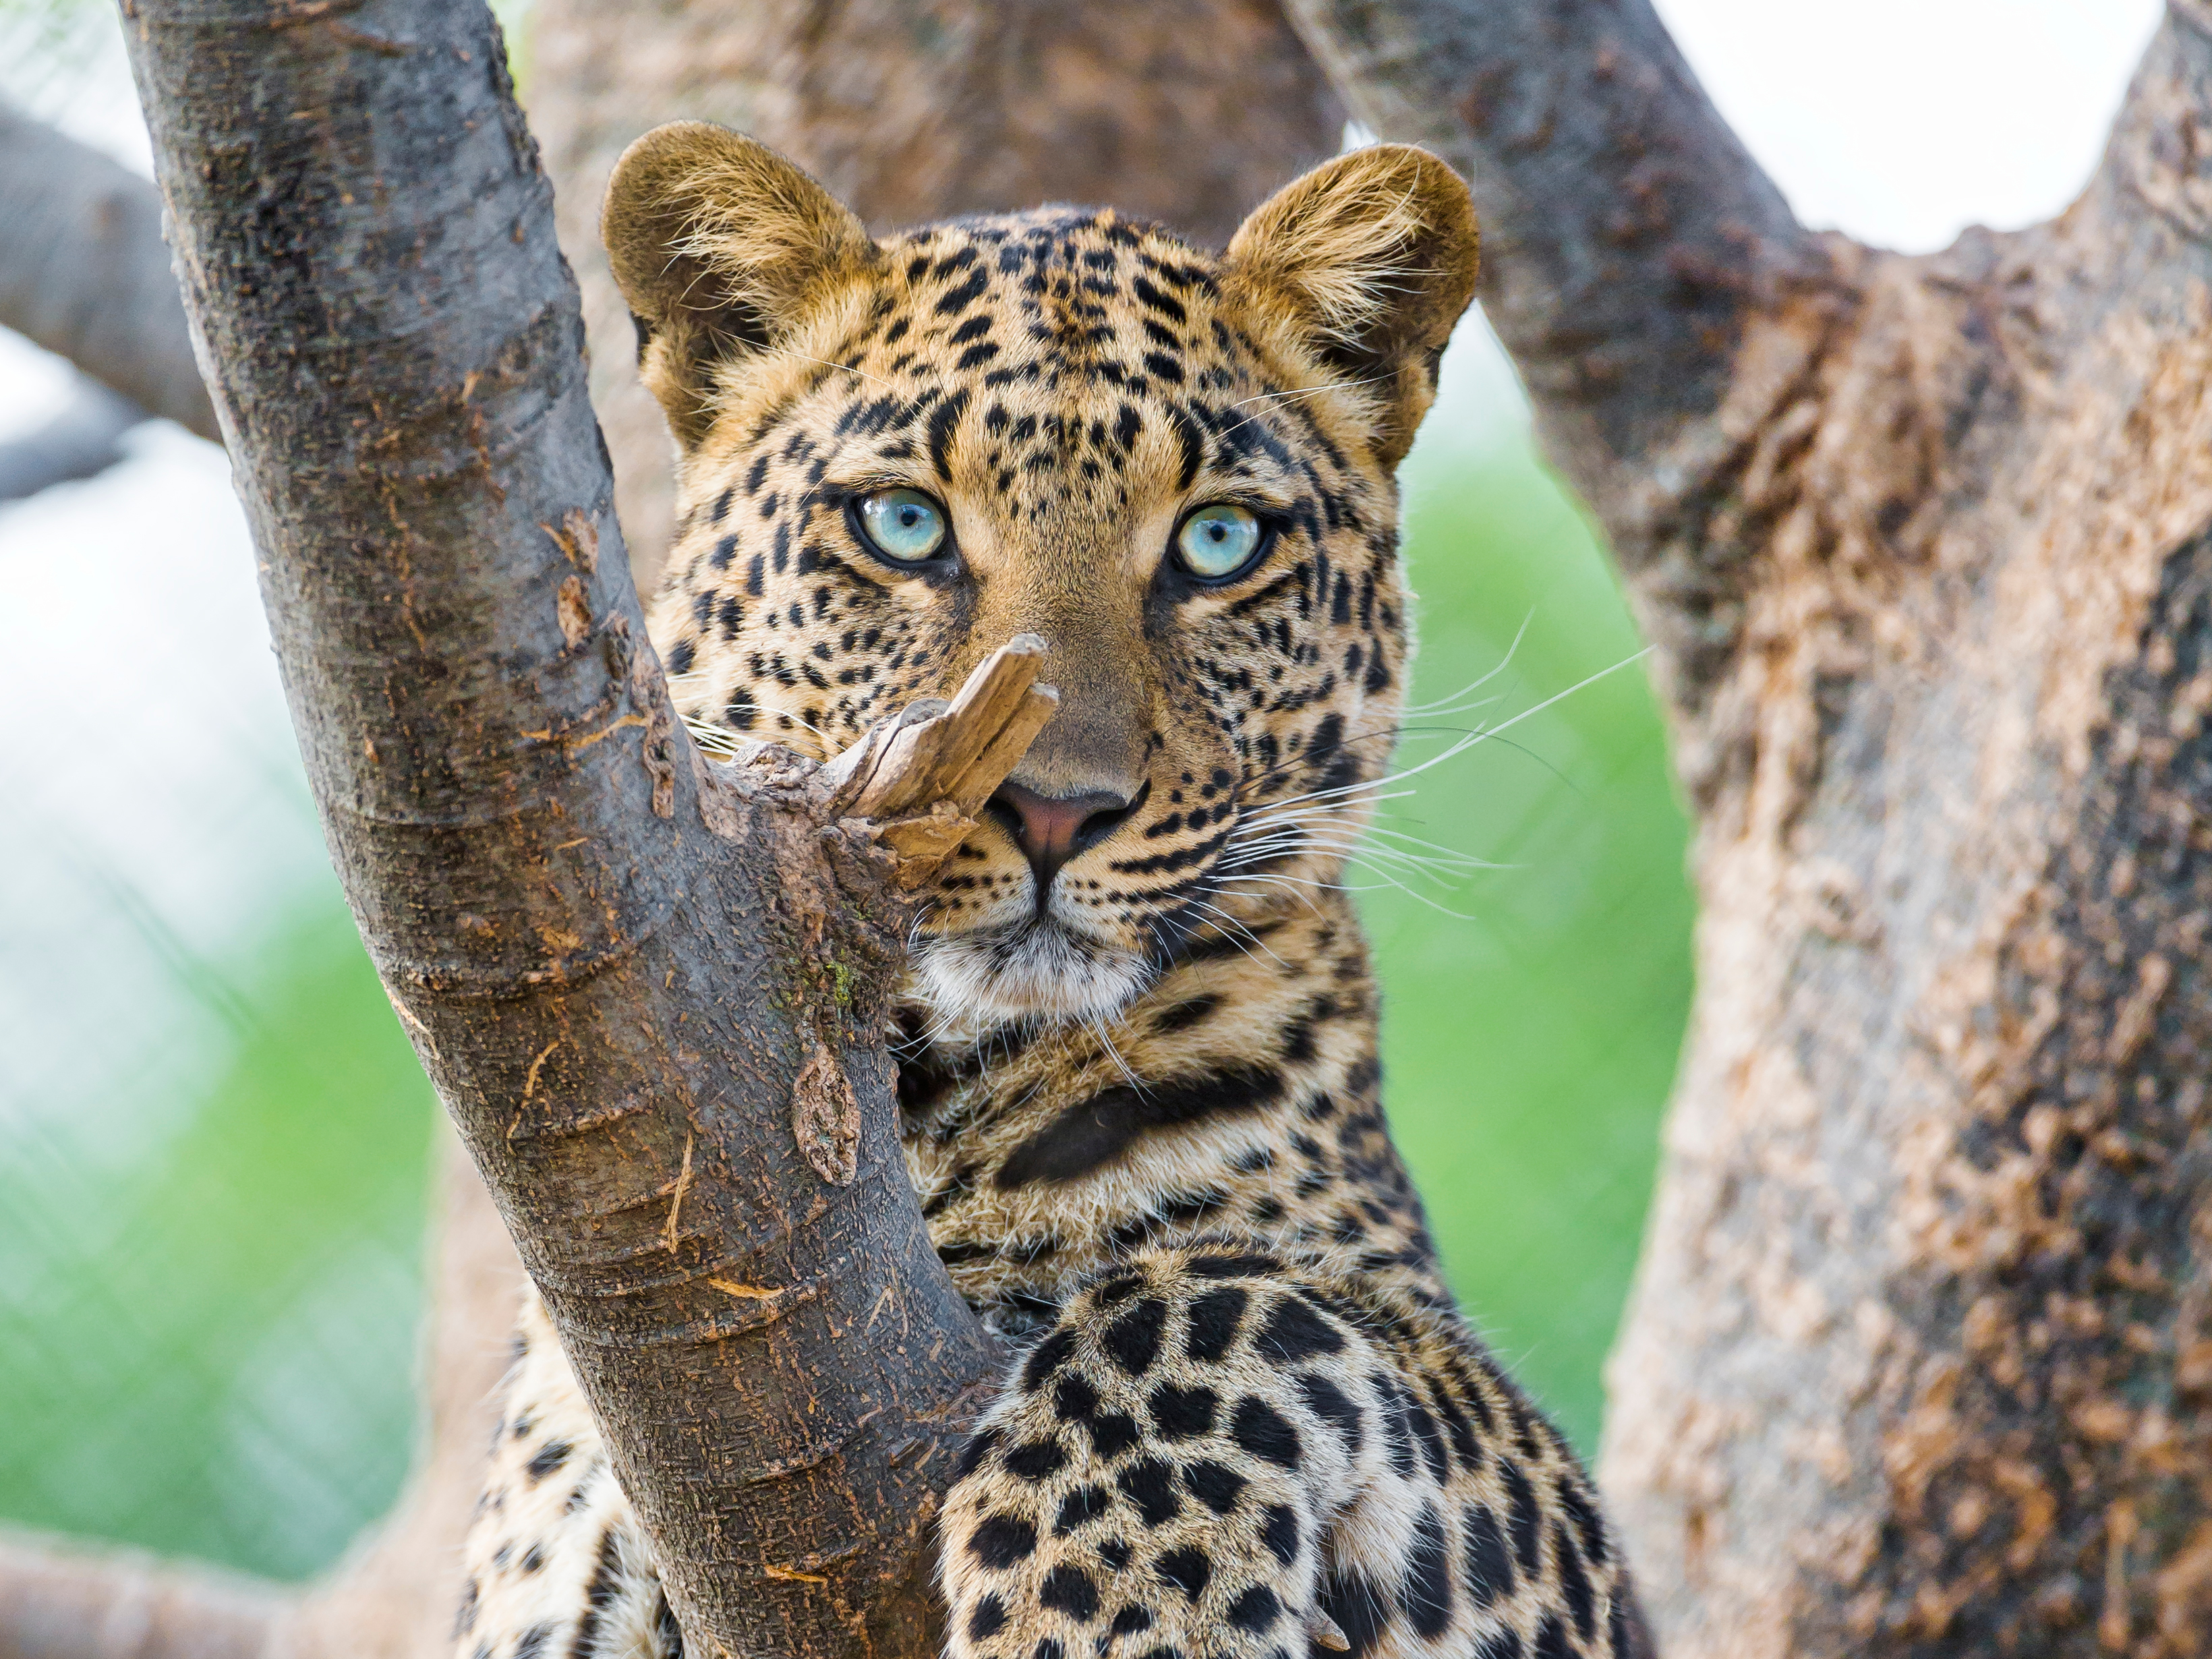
1029, 971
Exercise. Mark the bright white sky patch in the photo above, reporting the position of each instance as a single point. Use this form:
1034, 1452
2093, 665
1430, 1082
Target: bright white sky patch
1904, 121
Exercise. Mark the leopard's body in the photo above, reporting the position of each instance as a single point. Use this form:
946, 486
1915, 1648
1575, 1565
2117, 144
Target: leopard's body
1139, 1081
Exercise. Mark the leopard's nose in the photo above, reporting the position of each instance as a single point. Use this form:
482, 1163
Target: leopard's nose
1050, 829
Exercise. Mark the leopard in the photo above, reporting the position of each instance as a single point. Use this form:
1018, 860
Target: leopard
1139, 1083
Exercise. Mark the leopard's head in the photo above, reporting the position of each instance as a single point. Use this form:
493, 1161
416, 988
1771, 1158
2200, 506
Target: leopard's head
1175, 465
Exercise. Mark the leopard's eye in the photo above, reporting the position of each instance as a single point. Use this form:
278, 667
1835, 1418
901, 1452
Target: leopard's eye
904, 525
1216, 542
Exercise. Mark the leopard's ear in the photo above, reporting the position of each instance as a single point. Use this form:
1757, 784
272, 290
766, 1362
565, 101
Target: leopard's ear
721, 248
1373, 257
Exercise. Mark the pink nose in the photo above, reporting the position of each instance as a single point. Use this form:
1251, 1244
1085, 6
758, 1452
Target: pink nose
1050, 829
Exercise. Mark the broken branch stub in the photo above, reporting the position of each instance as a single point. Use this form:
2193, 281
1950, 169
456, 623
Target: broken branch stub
918, 780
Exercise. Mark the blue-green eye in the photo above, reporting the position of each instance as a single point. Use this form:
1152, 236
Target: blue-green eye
904, 525
1218, 541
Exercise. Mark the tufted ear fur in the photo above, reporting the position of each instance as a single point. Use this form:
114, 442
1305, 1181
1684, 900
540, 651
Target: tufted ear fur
721, 248
1374, 254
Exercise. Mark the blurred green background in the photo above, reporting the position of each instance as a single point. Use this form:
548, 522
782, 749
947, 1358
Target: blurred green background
214, 1140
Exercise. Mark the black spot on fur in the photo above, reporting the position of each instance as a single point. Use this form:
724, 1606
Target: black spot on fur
1215, 1320
942, 421
1574, 1583
1069, 1590
1426, 1592
1048, 1357
1112, 1434
1183, 1413
1524, 1521
1085, 1504
1232, 1267
1214, 1485
1279, 1533
1075, 1399
1255, 1611
1487, 1569
1002, 1541
1133, 1341
549, 1456
1037, 1461
1095, 1132
1431, 1443
1588, 1522
1181, 1016
1150, 1485
1185, 1570
1297, 1330
1265, 1432
1328, 1401
987, 1620
1361, 1610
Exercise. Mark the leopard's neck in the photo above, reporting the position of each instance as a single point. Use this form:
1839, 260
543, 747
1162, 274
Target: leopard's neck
1240, 1096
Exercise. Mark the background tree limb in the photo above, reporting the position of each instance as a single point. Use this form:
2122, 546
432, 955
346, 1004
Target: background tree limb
81, 440
83, 271
392, 1598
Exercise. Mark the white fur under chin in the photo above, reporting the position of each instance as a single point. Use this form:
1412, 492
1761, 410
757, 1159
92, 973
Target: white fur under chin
1029, 971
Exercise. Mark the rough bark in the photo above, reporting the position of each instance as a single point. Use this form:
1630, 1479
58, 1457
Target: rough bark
83, 271
615, 958
1920, 1351
1187, 111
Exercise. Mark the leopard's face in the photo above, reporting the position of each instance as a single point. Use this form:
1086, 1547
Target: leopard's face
1065, 424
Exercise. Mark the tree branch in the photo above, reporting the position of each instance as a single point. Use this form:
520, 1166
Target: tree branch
616, 960
65, 1602
1625, 229
392, 1597
81, 441
2154, 187
83, 271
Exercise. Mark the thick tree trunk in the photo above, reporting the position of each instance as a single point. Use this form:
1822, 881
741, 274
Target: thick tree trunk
1187, 111
1921, 1352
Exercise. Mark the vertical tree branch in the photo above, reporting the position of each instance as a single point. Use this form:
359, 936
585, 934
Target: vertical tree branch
613, 960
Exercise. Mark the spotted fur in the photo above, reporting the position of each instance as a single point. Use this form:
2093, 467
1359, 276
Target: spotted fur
1139, 1089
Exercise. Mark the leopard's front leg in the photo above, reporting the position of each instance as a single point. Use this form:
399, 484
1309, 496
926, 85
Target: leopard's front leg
1216, 1454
